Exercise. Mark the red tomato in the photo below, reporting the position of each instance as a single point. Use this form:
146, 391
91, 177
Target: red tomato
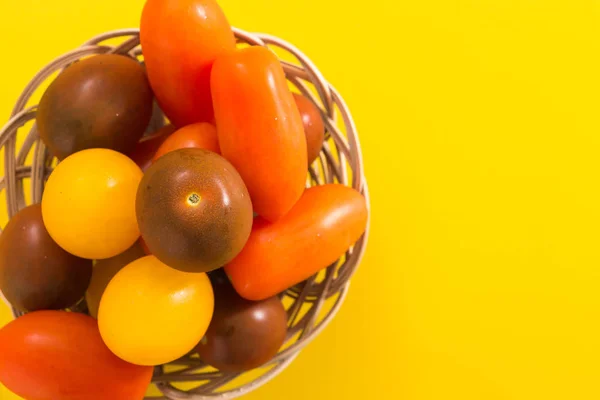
201, 135
58, 355
180, 40
260, 128
144, 151
324, 223
314, 127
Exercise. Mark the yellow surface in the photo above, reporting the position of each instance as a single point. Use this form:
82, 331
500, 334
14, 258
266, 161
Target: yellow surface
480, 127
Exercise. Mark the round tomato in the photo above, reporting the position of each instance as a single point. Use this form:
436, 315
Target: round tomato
52, 355
144, 152
88, 204
243, 334
35, 272
260, 129
193, 210
152, 314
325, 222
200, 136
314, 127
105, 270
104, 101
181, 39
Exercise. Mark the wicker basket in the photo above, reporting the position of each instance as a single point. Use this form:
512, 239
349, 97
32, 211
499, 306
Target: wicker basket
311, 305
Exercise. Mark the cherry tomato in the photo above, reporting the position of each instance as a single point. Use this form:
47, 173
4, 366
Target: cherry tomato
180, 40
260, 129
314, 127
324, 223
152, 314
59, 355
145, 150
103, 101
105, 270
242, 334
194, 210
35, 273
89, 203
201, 135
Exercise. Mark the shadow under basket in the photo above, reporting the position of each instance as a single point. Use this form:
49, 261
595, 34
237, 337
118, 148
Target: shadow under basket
310, 305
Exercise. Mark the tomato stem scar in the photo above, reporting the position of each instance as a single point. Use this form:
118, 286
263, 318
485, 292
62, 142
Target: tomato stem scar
193, 199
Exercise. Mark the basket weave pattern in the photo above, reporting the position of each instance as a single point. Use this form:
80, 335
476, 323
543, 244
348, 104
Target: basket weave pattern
340, 161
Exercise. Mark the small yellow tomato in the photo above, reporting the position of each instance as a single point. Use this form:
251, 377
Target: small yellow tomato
88, 204
151, 314
104, 271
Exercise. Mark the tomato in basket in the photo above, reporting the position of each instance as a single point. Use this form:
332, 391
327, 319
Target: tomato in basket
152, 314
145, 150
104, 101
201, 135
59, 355
260, 128
88, 204
180, 40
193, 210
325, 222
35, 272
242, 334
314, 127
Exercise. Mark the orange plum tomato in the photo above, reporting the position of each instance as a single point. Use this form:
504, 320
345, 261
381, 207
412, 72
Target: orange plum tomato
325, 222
260, 129
59, 355
181, 39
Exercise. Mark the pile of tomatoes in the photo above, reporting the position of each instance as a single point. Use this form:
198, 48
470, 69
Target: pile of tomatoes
180, 240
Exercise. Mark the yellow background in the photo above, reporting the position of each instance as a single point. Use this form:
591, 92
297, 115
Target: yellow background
480, 127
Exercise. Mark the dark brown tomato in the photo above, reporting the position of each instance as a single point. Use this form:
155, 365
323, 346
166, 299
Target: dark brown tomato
193, 210
314, 127
144, 151
242, 334
103, 101
35, 273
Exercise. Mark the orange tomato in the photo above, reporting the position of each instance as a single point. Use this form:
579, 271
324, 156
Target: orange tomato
59, 355
201, 135
180, 40
260, 129
324, 223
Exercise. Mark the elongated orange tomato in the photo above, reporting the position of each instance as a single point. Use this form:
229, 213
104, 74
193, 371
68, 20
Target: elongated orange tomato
59, 355
260, 129
181, 39
324, 223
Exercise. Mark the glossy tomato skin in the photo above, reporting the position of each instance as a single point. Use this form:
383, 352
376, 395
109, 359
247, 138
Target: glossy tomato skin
201, 135
105, 270
35, 272
324, 223
104, 101
58, 355
145, 150
193, 210
88, 204
180, 40
314, 127
242, 334
165, 314
260, 129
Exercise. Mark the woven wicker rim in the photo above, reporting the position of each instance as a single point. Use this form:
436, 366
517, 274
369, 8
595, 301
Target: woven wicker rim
340, 161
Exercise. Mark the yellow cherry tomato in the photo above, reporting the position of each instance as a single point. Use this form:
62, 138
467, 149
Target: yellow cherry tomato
151, 314
104, 271
88, 204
